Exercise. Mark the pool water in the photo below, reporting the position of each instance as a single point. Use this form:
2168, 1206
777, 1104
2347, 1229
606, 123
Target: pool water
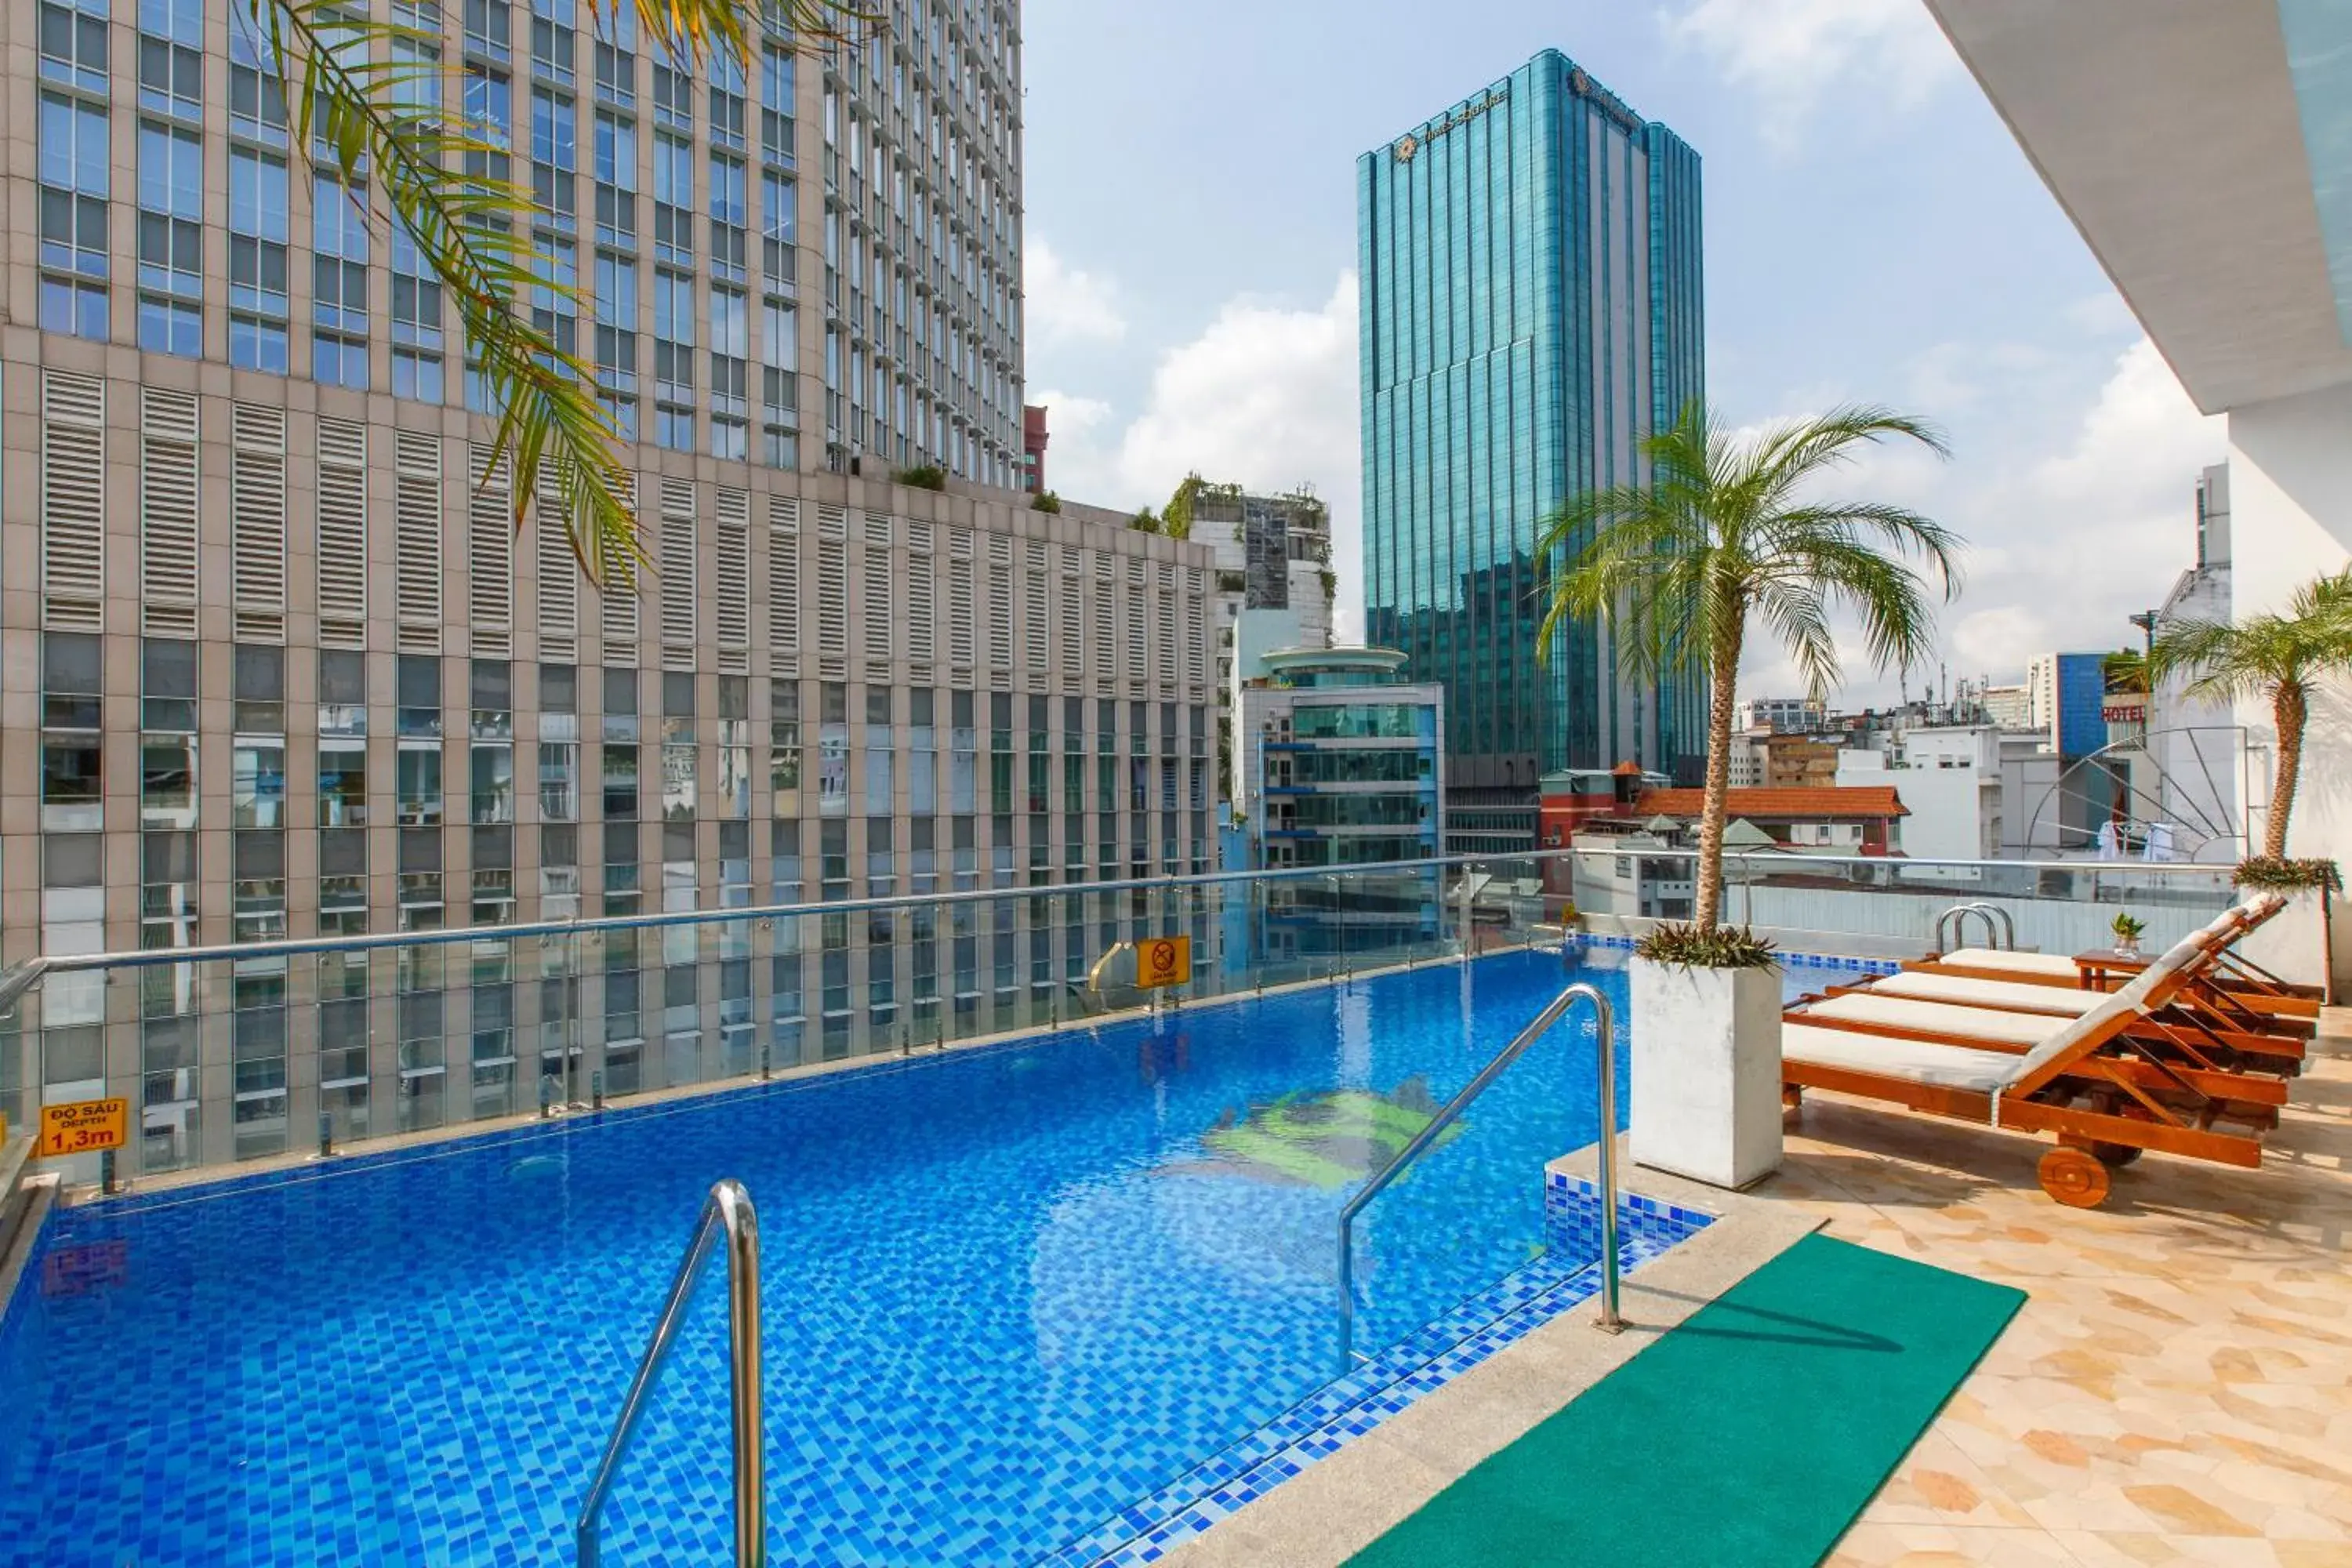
1007, 1293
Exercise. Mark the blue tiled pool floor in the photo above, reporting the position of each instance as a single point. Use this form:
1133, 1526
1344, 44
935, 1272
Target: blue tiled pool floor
1011, 1297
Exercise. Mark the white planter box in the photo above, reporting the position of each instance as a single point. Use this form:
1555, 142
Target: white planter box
2294, 946
1707, 1072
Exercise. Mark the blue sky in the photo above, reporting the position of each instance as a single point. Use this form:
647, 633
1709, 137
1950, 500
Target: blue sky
1872, 233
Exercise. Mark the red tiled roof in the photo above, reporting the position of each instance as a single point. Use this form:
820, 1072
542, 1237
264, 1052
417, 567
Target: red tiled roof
1822, 803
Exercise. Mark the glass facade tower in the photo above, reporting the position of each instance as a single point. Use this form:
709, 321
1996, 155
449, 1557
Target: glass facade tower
1531, 309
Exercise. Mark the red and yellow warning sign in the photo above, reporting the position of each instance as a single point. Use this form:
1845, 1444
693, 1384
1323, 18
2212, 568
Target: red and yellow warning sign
1163, 961
84, 1126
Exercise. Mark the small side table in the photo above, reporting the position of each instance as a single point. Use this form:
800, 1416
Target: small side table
2093, 969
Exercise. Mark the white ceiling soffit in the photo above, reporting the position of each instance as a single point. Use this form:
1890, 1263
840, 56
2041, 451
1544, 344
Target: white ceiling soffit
2169, 131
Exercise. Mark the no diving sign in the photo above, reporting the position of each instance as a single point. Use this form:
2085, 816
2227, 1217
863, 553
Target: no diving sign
1163, 961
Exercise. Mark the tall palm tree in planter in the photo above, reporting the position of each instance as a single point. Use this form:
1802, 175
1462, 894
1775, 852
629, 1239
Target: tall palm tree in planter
2277, 658
1730, 536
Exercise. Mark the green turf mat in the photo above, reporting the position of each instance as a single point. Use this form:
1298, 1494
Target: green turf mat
1749, 1437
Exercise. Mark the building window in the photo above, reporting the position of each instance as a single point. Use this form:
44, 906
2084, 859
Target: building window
73, 166
257, 260
171, 240
416, 346
339, 354
73, 44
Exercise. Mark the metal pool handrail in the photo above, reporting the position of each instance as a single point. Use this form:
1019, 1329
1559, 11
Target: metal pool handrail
1605, 1017
727, 1211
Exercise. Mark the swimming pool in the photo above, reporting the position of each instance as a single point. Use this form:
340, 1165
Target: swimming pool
1009, 1294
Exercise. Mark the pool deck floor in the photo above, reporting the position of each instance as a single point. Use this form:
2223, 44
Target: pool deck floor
2177, 1390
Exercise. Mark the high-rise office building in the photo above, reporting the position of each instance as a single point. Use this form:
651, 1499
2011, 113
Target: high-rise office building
1531, 310
278, 664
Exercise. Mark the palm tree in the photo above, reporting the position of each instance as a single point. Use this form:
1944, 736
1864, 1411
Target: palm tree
377, 103
2277, 658
1725, 533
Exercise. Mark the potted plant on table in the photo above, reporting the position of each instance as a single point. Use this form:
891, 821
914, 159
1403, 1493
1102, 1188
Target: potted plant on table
2128, 931
2277, 658
1729, 530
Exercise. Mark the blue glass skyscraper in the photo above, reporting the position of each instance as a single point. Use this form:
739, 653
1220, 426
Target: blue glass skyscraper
1531, 309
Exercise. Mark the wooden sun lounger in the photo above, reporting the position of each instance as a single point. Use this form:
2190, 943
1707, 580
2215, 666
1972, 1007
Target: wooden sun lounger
2183, 1030
2214, 1010
2105, 1110
2122, 1056
2247, 995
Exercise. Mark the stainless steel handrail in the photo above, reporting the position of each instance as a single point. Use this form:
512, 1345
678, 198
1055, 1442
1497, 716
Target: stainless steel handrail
727, 1211
1606, 1018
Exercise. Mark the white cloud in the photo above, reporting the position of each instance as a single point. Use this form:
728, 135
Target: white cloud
2077, 513
1067, 305
1265, 396
1795, 52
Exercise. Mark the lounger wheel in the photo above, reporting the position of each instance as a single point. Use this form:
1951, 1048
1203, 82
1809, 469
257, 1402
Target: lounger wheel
2073, 1177
2114, 1156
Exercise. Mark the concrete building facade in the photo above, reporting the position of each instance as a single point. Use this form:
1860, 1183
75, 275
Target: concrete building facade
279, 664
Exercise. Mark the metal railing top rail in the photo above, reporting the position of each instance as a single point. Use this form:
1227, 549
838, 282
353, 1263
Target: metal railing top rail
13, 983
1796, 858
1604, 1018
728, 1211
590, 926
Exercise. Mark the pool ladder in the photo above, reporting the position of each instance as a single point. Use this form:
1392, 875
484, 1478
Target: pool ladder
1606, 1150
727, 1213
2001, 930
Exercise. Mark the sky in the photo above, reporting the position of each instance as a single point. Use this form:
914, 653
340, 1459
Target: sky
1872, 234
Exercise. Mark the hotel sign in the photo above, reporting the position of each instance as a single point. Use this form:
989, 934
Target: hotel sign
1410, 144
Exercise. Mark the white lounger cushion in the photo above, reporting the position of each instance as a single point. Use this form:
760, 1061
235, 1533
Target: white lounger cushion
2048, 963
2026, 1029
1915, 1061
2017, 997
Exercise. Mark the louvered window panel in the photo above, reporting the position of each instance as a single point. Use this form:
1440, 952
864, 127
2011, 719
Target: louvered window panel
1196, 641
919, 538
959, 544
167, 512
256, 486
831, 607
880, 611
343, 533
784, 586
960, 630
1038, 608
832, 522
559, 573
619, 624
1164, 615
678, 573
1139, 651
1074, 623
1105, 639
490, 553
1000, 627
879, 530
73, 501
417, 529
922, 610
733, 611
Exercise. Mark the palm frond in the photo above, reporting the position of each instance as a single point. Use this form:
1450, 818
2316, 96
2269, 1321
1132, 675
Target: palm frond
378, 112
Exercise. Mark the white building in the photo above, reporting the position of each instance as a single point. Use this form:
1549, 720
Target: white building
2194, 742
1781, 715
2008, 707
1951, 778
2190, 144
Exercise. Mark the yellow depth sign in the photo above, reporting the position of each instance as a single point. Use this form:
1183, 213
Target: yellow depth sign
84, 1126
1163, 961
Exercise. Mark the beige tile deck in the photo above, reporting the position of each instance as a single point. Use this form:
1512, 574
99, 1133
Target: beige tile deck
2178, 1388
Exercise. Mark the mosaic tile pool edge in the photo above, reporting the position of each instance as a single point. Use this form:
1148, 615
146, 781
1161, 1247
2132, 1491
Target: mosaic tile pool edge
1785, 960
1427, 1360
